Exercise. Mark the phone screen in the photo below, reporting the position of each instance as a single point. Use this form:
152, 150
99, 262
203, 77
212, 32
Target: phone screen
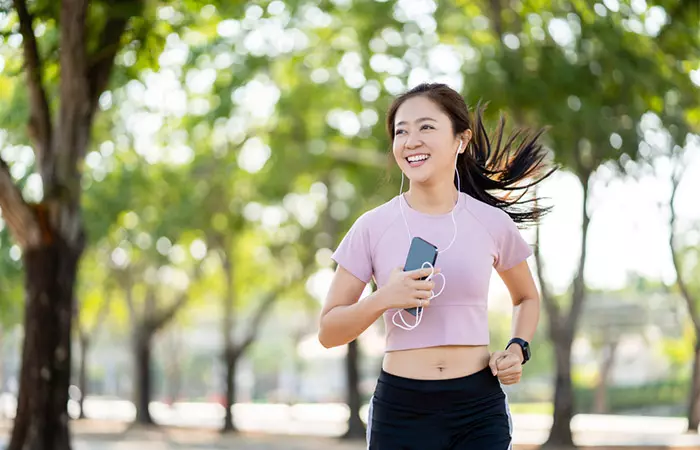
421, 251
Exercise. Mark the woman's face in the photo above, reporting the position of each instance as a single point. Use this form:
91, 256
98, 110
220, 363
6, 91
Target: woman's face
425, 147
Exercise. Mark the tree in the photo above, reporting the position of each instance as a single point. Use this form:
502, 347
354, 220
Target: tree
234, 348
149, 261
680, 254
147, 320
213, 172
50, 232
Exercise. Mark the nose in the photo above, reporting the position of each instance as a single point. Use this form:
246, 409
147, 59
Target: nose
412, 141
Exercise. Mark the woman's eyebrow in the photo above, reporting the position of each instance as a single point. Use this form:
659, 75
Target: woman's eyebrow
422, 119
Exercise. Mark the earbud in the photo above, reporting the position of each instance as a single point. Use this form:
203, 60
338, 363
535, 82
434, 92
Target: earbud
459, 182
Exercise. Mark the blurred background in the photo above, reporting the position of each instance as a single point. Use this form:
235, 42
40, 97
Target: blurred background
221, 150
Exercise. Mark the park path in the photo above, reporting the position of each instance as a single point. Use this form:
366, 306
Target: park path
111, 435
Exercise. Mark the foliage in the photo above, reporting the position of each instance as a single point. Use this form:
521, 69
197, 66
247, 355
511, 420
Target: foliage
255, 128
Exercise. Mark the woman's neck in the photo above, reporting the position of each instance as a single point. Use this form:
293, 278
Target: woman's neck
438, 199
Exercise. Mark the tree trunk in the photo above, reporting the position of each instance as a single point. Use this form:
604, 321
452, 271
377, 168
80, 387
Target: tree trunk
42, 406
356, 429
600, 405
562, 332
142, 366
82, 375
51, 234
231, 361
230, 355
560, 436
693, 311
694, 403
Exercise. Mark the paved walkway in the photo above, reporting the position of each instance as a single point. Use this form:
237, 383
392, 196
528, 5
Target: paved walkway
109, 435
199, 439
247, 442
114, 435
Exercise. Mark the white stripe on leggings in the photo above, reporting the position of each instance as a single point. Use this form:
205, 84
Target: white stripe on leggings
510, 422
369, 421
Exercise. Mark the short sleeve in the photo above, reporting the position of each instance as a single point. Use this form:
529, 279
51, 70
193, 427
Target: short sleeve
512, 249
354, 251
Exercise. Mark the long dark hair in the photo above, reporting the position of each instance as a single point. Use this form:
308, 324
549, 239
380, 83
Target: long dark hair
493, 170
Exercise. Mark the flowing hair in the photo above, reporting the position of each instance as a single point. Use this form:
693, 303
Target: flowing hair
494, 170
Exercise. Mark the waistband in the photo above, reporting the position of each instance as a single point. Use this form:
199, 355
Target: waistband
462, 392
474, 382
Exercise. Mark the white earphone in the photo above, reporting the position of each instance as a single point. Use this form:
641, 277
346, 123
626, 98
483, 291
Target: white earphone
419, 310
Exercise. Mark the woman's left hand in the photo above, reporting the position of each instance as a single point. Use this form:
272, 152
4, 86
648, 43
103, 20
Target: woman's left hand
507, 365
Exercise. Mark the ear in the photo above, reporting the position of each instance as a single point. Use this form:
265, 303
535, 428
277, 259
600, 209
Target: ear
466, 137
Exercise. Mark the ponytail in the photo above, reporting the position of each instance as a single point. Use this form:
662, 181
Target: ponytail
490, 165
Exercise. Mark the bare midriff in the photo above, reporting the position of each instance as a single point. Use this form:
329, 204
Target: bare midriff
437, 363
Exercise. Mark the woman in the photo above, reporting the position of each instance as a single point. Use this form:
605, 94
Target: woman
440, 387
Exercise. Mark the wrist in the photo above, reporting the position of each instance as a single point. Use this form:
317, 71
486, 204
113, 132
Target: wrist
379, 301
516, 350
520, 348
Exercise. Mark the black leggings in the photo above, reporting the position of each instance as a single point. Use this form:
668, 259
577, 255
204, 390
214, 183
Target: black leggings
456, 414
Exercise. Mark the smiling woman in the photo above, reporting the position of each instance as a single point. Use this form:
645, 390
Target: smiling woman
439, 387
426, 121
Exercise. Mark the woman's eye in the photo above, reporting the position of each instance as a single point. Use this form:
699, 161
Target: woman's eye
428, 127
398, 132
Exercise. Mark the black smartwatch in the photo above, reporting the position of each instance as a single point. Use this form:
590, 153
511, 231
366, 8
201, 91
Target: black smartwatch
524, 345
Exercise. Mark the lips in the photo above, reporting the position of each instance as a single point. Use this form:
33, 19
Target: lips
417, 159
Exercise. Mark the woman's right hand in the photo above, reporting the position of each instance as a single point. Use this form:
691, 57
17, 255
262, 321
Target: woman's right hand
406, 289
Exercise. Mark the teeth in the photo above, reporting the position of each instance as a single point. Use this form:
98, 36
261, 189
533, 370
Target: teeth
416, 158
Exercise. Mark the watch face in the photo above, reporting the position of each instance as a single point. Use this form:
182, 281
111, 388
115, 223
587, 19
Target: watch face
526, 349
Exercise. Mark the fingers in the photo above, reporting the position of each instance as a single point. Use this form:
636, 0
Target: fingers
508, 361
515, 369
493, 360
509, 379
423, 295
421, 273
422, 303
509, 368
422, 285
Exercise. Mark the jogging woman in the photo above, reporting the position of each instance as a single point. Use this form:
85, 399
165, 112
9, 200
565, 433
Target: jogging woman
440, 386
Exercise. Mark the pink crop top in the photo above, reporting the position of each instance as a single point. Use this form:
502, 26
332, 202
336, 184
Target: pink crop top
486, 238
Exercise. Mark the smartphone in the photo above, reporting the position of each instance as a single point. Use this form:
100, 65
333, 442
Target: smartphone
420, 252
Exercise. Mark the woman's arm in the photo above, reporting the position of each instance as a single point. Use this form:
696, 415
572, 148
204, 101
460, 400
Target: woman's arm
343, 317
507, 365
526, 303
